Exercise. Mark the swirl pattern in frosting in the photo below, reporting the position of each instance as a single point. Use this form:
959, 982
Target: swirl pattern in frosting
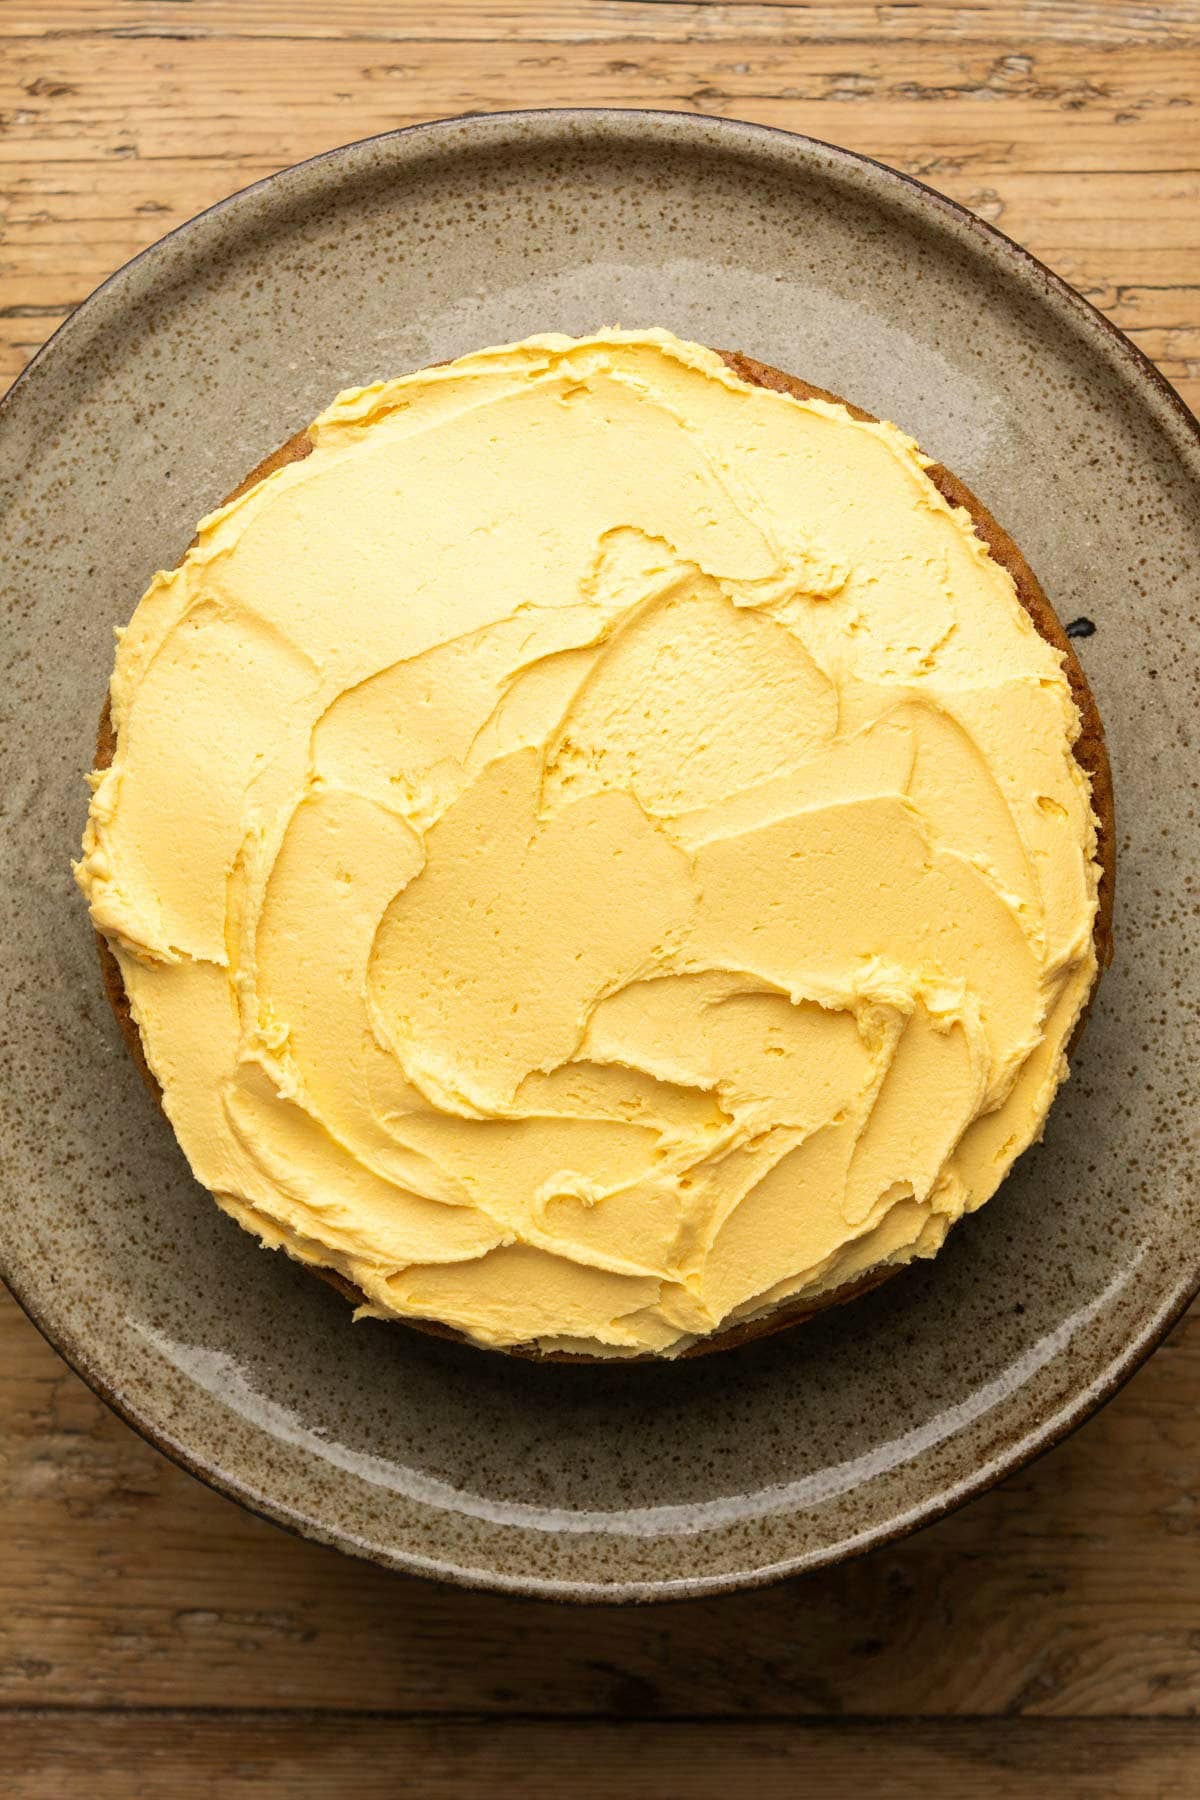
594, 851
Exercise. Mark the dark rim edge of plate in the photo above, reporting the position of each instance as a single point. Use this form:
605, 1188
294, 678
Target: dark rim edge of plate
1077, 1409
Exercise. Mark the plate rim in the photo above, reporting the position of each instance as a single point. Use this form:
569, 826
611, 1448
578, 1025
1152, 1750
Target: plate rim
1094, 1392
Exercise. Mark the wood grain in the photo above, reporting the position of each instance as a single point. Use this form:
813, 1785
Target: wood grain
1121, 23
154, 1640
303, 1758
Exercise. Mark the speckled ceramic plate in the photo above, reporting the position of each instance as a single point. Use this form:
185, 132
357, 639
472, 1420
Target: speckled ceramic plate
149, 404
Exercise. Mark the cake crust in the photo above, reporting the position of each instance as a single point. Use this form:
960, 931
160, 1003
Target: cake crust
1089, 750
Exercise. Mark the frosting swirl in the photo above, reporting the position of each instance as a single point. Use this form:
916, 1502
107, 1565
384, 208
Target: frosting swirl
595, 850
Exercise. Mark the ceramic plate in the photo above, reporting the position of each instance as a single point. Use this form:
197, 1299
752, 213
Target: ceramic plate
633, 1483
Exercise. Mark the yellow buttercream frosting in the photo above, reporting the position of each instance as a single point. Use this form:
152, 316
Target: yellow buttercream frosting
595, 849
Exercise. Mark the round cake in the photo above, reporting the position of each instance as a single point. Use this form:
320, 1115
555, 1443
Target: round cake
601, 848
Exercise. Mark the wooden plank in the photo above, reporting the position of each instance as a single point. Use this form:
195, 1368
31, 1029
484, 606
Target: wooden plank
1092, 22
969, 114
1070, 105
123, 1757
1074, 1589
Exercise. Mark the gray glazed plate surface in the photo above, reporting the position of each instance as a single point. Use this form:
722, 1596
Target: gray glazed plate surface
623, 1483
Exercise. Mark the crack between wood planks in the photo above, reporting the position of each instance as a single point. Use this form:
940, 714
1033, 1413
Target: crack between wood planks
476, 1716
783, 38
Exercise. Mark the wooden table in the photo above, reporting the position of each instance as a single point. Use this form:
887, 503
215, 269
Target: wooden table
154, 1640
